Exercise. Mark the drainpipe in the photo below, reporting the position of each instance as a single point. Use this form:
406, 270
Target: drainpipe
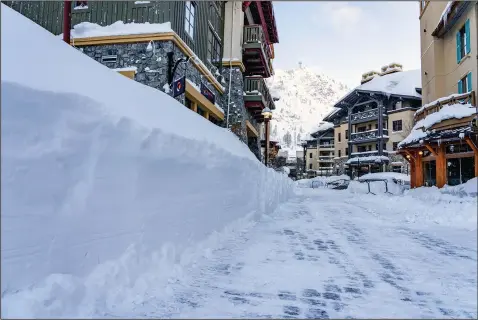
66, 21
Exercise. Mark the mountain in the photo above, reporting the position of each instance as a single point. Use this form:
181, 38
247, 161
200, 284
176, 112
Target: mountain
306, 97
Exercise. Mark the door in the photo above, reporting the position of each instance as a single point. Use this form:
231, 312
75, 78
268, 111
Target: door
460, 170
429, 173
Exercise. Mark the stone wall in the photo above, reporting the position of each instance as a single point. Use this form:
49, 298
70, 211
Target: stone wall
151, 63
237, 112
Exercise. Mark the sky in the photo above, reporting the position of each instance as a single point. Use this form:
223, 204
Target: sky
346, 39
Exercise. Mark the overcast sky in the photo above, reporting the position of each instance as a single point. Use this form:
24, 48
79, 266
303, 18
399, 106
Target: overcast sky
346, 39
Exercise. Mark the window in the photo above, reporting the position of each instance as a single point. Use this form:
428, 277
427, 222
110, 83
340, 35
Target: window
361, 129
201, 111
369, 127
397, 125
310, 155
310, 166
213, 48
346, 134
189, 18
395, 145
340, 137
79, 4
463, 45
346, 151
340, 153
189, 104
464, 85
376, 126
369, 148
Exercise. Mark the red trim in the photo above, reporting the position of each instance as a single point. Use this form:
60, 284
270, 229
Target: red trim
268, 10
263, 20
245, 5
66, 21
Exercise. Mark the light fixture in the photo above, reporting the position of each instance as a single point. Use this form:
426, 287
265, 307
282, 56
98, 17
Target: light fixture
408, 156
420, 152
266, 113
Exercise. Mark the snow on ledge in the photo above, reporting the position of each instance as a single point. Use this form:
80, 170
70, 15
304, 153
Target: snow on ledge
119, 28
433, 103
135, 69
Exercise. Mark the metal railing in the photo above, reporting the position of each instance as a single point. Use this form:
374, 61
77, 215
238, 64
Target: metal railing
364, 116
255, 85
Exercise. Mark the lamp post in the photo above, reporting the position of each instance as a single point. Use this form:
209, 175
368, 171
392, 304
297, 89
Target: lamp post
173, 65
267, 114
66, 21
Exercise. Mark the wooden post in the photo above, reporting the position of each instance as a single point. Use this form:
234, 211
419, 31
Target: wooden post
194, 107
418, 170
206, 114
266, 158
413, 183
441, 166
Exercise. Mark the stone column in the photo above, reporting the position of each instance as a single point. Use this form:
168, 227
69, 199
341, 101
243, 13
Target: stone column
236, 112
380, 127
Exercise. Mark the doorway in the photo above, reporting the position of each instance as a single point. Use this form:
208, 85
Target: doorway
460, 170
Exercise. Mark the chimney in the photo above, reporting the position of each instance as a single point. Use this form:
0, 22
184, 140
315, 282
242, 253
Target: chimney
367, 76
391, 68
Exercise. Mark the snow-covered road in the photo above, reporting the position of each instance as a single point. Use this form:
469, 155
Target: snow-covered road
327, 254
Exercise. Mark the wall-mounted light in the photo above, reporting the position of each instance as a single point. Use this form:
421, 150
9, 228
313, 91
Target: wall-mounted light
420, 152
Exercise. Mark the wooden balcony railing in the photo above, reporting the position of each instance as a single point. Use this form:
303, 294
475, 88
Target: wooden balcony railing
366, 135
255, 89
254, 38
435, 106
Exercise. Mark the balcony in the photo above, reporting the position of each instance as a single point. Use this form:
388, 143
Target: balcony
326, 159
257, 53
326, 146
366, 136
365, 116
257, 96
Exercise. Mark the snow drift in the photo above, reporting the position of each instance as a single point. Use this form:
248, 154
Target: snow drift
96, 167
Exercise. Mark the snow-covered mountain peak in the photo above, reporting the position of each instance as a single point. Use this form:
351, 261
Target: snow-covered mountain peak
305, 98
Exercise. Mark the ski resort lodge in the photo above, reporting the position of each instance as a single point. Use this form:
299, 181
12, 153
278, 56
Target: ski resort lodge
442, 147
212, 56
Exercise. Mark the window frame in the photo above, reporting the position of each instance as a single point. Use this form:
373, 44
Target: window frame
395, 123
214, 46
339, 137
394, 146
189, 27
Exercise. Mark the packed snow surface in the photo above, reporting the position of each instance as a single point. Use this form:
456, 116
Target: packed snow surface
118, 28
104, 178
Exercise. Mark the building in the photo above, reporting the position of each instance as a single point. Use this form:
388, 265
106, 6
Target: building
373, 118
224, 51
325, 150
442, 148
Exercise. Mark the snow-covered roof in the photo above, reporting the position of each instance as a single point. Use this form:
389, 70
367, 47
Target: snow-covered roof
399, 83
322, 126
435, 102
456, 111
119, 28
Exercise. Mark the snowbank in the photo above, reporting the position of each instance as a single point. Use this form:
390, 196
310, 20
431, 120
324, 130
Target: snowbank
319, 181
385, 175
105, 179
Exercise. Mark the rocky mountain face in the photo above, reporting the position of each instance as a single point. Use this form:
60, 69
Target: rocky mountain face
305, 98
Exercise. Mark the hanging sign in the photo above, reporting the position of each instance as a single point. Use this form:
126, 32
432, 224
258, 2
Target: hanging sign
208, 93
474, 124
179, 86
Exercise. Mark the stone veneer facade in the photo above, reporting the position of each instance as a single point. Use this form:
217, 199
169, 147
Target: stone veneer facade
152, 70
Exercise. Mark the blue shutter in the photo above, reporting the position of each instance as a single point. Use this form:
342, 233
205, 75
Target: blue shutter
467, 36
468, 82
460, 87
458, 47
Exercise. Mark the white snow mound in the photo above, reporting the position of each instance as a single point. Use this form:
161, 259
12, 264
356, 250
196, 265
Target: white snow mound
107, 184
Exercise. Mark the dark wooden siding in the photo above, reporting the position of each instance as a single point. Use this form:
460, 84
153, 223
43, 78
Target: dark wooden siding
49, 14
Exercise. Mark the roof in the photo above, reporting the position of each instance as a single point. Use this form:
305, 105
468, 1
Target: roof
450, 15
397, 84
322, 126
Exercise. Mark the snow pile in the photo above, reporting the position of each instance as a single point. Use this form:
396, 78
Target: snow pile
119, 28
385, 175
106, 194
319, 181
322, 126
468, 189
455, 111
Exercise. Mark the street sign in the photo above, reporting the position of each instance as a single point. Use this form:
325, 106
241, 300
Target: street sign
179, 86
474, 124
208, 93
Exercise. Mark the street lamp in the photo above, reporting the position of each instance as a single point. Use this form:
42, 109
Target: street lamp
267, 114
173, 65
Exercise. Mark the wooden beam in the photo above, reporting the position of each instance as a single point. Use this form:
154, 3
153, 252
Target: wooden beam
429, 147
471, 144
440, 166
410, 154
418, 171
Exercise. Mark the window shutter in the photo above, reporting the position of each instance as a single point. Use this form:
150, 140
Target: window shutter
468, 82
458, 47
460, 89
467, 36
